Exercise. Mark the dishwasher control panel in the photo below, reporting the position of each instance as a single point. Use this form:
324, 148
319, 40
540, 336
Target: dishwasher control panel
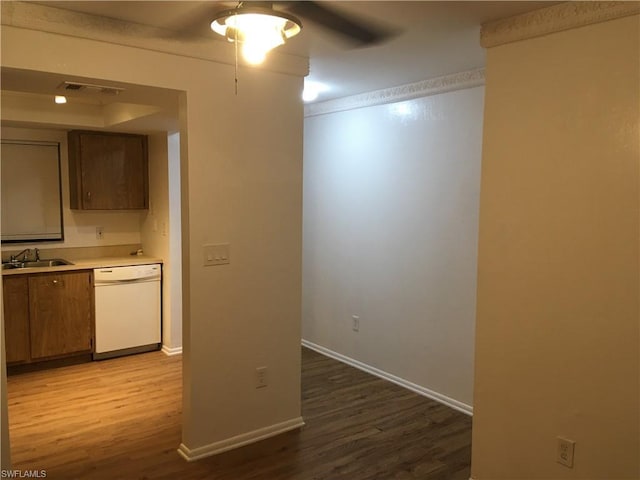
127, 274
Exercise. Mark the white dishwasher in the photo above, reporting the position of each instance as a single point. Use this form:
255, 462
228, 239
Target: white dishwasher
128, 312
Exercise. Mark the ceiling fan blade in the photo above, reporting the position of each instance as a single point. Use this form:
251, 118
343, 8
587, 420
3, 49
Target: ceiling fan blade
192, 23
354, 29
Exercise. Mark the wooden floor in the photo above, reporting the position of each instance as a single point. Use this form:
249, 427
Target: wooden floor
120, 419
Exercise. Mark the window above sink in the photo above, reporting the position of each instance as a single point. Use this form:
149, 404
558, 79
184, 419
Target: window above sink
31, 191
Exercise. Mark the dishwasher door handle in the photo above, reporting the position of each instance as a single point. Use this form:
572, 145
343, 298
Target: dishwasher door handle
127, 281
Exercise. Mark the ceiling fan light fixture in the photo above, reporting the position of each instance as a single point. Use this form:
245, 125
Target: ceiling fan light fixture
258, 29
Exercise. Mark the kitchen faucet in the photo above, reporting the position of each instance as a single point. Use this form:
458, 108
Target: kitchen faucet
25, 252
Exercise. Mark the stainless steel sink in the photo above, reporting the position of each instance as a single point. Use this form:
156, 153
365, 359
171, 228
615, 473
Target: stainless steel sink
54, 262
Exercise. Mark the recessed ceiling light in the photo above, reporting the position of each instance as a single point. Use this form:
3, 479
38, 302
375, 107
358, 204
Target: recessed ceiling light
60, 99
312, 90
309, 95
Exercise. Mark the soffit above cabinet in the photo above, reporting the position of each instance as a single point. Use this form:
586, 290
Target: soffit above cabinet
28, 100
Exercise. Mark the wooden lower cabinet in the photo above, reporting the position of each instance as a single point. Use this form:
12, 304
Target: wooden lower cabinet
60, 314
58, 319
15, 296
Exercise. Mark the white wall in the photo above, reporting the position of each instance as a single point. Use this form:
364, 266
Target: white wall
558, 320
241, 175
173, 333
390, 230
120, 228
159, 232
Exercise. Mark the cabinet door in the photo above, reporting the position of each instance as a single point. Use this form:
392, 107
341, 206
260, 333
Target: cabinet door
113, 171
61, 317
15, 294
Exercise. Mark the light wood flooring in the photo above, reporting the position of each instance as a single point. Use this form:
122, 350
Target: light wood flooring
121, 419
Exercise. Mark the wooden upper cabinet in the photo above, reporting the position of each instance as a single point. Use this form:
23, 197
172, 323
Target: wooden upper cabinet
108, 171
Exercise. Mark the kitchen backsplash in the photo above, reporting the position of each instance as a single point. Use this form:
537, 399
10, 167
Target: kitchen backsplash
76, 253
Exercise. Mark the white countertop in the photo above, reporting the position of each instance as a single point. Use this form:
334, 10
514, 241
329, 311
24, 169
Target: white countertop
87, 264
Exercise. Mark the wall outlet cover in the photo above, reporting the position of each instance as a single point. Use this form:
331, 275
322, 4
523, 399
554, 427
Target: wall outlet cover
565, 452
261, 377
355, 323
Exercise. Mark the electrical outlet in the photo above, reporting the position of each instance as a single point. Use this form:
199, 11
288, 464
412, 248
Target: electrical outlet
261, 377
355, 323
99, 233
565, 452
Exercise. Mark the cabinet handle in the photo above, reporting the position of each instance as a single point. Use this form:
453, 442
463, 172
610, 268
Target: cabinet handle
88, 195
57, 283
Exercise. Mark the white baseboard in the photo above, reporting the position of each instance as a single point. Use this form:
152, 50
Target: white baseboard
239, 441
169, 351
438, 397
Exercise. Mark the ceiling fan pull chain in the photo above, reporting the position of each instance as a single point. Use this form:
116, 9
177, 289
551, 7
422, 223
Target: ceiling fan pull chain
236, 62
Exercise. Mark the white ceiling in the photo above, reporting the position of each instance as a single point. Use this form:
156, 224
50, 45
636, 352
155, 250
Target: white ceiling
432, 38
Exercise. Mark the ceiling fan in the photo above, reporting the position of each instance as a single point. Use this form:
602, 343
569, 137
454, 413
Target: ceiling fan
259, 27
356, 30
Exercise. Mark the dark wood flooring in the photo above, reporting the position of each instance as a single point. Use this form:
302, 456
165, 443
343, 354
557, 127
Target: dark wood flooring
120, 419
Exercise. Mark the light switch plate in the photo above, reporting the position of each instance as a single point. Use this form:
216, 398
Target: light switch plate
218, 254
